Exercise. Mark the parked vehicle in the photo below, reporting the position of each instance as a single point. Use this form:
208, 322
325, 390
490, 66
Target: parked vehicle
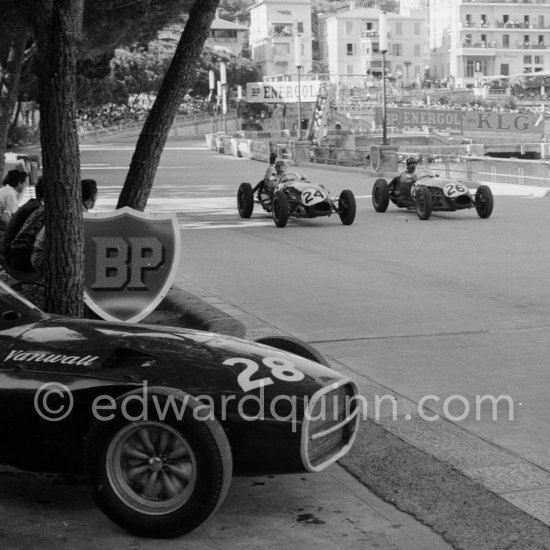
160, 418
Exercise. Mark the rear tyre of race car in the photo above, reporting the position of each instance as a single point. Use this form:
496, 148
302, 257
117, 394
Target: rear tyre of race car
280, 209
161, 466
245, 200
423, 202
380, 195
347, 207
484, 201
294, 345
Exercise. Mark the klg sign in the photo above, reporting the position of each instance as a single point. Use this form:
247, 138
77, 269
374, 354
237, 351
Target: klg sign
131, 259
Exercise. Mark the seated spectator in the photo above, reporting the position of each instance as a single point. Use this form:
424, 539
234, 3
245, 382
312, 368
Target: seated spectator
10, 192
89, 196
20, 217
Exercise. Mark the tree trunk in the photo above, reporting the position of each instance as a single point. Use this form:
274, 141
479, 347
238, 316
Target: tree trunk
179, 76
10, 76
58, 25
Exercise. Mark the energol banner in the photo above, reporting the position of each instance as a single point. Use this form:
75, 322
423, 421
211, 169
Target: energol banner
282, 92
459, 122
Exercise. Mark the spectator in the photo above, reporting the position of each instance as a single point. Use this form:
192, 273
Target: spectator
89, 196
13, 186
20, 217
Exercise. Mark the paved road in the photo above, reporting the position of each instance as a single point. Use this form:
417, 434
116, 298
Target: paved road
444, 311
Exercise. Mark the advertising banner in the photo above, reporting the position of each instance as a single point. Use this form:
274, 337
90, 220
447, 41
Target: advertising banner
282, 92
131, 259
460, 122
445, 120
523, 123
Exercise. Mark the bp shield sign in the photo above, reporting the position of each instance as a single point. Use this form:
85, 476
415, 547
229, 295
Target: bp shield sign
131, 259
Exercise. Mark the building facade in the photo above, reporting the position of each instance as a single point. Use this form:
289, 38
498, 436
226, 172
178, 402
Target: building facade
227, 36
274, 26
349, 44
475, 40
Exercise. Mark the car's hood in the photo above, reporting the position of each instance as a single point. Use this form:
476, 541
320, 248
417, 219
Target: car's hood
193, 360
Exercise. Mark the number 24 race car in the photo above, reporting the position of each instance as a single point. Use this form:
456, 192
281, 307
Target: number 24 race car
295, 196
432, 193
160, 418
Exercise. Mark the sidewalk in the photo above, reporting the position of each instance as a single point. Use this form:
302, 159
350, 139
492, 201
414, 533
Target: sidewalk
475, 494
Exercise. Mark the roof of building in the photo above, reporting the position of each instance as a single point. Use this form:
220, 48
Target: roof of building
218, 24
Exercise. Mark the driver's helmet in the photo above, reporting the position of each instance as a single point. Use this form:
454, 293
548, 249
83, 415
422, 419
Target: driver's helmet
411, 161
280, 166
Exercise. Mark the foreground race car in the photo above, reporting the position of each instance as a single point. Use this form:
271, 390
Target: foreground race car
160, 418
296, 196
432, 193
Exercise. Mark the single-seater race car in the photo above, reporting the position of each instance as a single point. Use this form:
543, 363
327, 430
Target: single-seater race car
431, 193
296, 196
160, 418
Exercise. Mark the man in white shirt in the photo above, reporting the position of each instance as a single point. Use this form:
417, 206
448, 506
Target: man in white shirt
10, 192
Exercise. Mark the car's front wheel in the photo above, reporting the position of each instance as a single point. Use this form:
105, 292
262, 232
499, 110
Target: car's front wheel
423, 202
484, 201
160, 466
280, 209
245, 200
380, 195
347, 207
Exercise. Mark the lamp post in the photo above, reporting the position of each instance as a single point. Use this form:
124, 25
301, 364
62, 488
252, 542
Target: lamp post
383, 46
298, 63
218, 101
212, 86
223, 79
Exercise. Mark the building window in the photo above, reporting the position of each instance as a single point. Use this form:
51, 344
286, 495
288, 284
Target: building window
526, 20
541, 22
541, 40
527, 60
349, 49
376, 47
397, 50
526, 40
281, 49
483, 20
468, 19
468, 39
539, 59
505, 40
281, 67
504, 69
300, 26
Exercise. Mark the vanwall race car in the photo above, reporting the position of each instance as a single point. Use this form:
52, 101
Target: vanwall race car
296, 196
432, 193
160, 418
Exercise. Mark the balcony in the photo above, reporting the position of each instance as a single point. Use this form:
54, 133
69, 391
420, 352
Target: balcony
517, 2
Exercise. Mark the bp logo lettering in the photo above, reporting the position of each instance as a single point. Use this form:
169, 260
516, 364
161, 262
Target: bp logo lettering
131, 259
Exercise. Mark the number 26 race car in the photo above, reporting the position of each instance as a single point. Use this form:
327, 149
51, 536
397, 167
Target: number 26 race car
160, 418
295, 196
431, 193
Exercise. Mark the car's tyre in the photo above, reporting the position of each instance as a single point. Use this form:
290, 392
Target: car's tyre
380, 195
423, 202
280, 209
245, 200
347, 207
484, 201
294, 345
161, 466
